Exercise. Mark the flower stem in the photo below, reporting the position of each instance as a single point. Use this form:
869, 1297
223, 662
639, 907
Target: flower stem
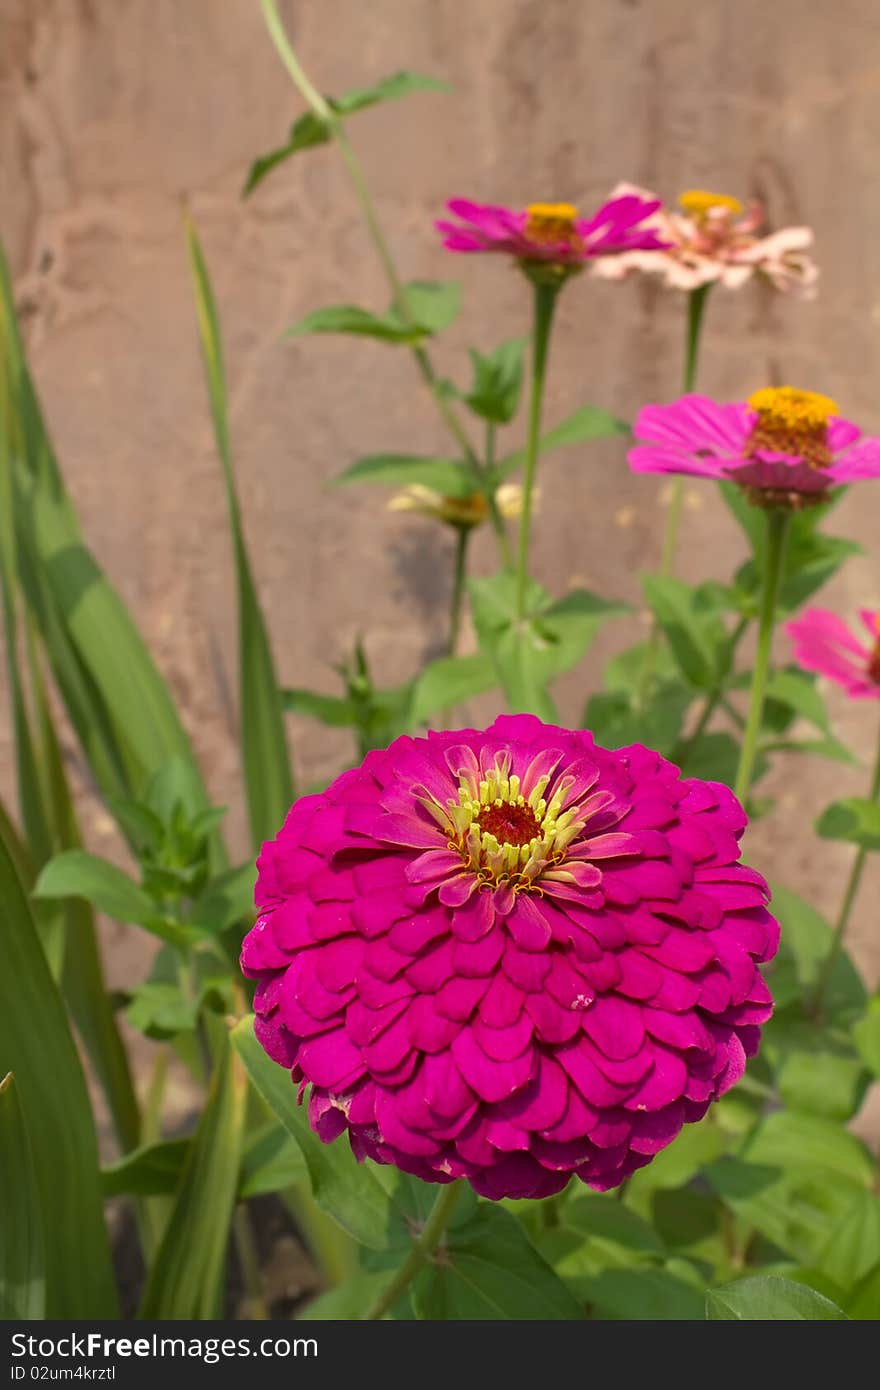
462, 537
422, 1249
696, 305
362, 193
777, 532
544, 305
846, 907
713, 699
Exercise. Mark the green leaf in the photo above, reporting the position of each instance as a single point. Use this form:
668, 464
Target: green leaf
614, 721
767, 1298
186, 1278
350, 1301
691, 620
268, 778
489, 1269
793, 1141
805, 941
866, 1036
148, 1171
853, 1247
450, 681
863, 1303
272, 1162
37, 1046
311, 129
332, 710
22, 1249
590, 422
497, 382
432, 304
643, 1294
349, 318
797, 692
551, 639
815, 1072
349, 1191
121, 709
855, 819
715, 757
445, 476
227, 899
77, 874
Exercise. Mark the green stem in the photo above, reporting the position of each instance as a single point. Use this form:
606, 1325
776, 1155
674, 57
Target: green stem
695, 308
423, 1248
371, 217
544, 305
696, 305
777, 531
462, 537
846, 907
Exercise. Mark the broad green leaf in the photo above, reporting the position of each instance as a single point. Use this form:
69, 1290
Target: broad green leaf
497, 382
23, 1247
596, 1233
445, 476
853, 1247
797, 692
150, 1170
186, 1278
816, 1072
227, 899
694, 1147
350, 1302
685, 1217
349, 318
590, 422
450, 681
767, 1298
855, 819
691, 620
863, 1303
311, 129
715, 757
642, 1294
432, 304
268, 778
866, 1036
794, 1141
490, 1270
614, 721
272, 1161
37, 1046
77, 874
333, 710
348, 1191
551, 639
804, 945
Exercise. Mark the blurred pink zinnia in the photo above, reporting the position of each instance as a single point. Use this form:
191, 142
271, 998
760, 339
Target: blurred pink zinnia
510, 956
824, 643
714, 239
784, 447
553, 232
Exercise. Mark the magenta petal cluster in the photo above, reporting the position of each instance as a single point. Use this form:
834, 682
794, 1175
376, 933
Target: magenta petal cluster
770, 460
553, 232
511, 956
824, 643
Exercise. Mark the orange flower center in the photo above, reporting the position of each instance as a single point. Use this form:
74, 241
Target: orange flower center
552, 224
509, 823
792, 422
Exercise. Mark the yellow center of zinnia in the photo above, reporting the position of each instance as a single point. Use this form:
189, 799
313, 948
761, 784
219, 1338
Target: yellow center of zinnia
793, 422
551, 224
697, 202
502, 834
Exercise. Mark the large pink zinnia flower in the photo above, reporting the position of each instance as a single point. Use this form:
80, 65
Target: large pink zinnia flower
510, 955
714, 239
785, 448
553, 232
824, 643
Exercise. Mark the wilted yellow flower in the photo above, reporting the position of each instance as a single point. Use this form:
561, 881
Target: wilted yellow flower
468, 511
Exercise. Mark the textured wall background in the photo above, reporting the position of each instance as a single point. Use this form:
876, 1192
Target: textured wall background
114, 111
